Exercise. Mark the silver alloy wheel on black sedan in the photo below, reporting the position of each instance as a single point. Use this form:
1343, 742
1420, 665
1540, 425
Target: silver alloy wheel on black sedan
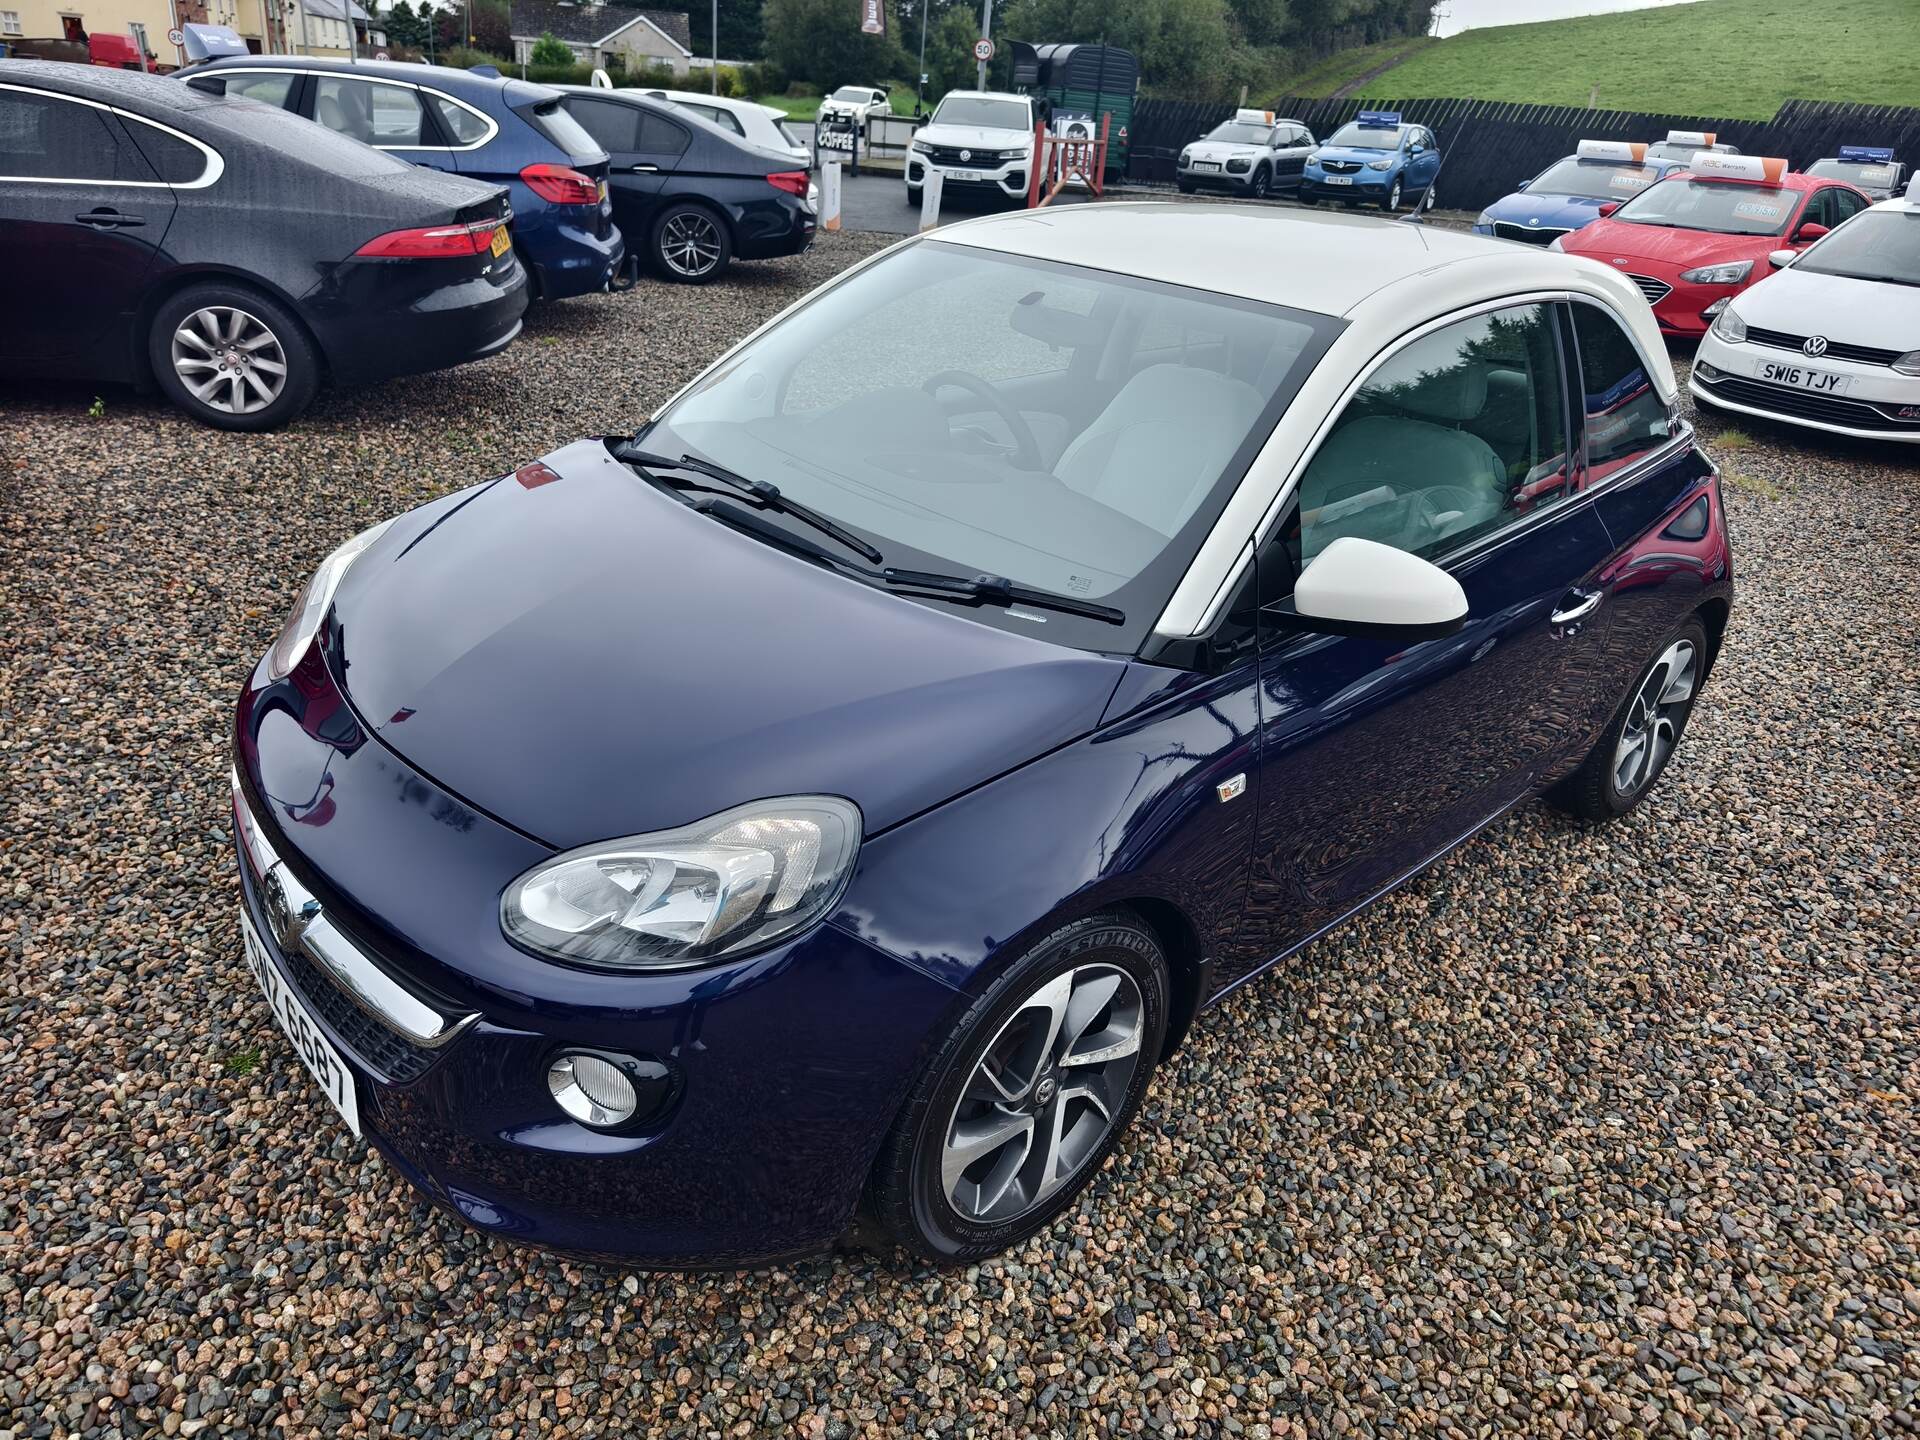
1658, 709
691, 244
229, 360
1044, 1095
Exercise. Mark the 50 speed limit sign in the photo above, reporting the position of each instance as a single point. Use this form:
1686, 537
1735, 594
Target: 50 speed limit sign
983, 49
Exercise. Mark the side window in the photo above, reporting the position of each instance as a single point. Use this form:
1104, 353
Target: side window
371, 113
1459, 434
1848, 205
267, 89
660, 136
43, 137
613, 126
462, 124
173, 159
1625, 414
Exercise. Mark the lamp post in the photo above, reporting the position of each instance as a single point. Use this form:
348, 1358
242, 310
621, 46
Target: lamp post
920, 88
716, 46
986, 33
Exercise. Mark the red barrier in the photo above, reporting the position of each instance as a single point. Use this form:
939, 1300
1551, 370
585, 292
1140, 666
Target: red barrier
1059, 161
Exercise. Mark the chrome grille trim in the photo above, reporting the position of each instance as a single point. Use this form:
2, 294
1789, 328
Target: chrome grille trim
1654, 290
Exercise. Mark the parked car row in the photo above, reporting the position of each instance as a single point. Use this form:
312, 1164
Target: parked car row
205, 233
1377, 159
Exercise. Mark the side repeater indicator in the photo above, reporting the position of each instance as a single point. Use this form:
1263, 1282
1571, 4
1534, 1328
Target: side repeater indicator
1232, 789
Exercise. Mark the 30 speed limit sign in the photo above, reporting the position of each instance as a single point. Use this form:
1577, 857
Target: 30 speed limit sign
983, 49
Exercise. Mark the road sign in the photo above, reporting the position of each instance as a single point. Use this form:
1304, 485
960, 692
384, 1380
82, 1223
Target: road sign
379, 54
983, 49
174, 37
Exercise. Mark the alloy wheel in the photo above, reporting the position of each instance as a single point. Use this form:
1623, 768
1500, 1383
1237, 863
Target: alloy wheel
1393, 196
1044, 1094
1654, 718
229, 360
1261, 184
690, 243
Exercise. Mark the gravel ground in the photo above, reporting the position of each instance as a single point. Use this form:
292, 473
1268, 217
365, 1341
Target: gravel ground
1585, 1129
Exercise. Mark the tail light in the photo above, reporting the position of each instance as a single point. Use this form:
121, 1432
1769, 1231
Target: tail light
433, 242
794, 182
559, 185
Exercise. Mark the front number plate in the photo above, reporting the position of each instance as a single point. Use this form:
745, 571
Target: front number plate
320, 1058
1339, 179
1820, 382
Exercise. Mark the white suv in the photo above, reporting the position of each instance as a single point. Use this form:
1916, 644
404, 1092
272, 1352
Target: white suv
850, 108
977, 139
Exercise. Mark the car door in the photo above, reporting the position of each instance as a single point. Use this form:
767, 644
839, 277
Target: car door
1426, 164
643, 150
83, 213
1295, 146
1377, 754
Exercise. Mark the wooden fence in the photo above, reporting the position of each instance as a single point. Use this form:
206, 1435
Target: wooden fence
1488, 146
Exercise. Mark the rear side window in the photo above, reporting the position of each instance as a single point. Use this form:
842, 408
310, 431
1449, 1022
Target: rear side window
725, 119
44, 137
1625, 414
557, 122
659, 136
609, 126
371, 113
173, 159
466, 127
267, 89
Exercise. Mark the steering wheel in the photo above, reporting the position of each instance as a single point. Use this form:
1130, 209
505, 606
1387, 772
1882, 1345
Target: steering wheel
1026, 449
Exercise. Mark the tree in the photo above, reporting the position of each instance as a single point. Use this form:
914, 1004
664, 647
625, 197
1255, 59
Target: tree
548, 50
821, 41
741, 31
491, 27
406, 26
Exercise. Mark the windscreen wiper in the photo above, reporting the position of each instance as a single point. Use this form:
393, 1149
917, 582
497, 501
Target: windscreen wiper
980, 589
998, 590
766, 494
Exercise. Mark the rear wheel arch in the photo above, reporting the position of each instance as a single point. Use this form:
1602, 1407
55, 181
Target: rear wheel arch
178, 280
1714, 615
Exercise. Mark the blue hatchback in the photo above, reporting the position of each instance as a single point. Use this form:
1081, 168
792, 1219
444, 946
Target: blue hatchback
1376, 159
507, 131
848, 789
1592, 182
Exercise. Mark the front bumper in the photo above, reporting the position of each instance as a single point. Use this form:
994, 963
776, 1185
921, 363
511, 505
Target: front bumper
1216, 180
1009, 177
1367, 185
1878, 404
789, 1065
1681, 312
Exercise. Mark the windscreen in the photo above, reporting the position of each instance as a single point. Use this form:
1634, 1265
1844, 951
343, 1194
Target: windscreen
854, 93
1369, 137
980, 111
1717, 206
977, 413
1876, 244
1240, 133
1594, 180
1868, 175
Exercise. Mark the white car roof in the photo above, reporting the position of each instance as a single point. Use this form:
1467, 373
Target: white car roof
718, 102
1328, 262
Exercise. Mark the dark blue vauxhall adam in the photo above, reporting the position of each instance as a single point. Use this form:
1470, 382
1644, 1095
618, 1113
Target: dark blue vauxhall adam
846, 791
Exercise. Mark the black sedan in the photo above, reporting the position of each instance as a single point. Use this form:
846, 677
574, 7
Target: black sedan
689, 196
229, 252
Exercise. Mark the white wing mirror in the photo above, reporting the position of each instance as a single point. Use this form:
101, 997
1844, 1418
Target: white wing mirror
1781, 259
1361, 587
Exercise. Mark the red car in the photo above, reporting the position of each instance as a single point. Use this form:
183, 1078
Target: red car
1693, 241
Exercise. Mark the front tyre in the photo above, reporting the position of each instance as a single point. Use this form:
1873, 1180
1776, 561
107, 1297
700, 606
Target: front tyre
1390, 202
1018, 1107
233, 358
690, 244
1262, 184
1635, 748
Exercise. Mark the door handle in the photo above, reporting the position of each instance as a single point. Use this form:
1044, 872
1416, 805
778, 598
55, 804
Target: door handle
109, 220
644, 169
1585, 602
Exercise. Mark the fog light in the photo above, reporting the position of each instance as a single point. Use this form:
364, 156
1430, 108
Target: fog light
1716, 307
1705, 371
592, 1090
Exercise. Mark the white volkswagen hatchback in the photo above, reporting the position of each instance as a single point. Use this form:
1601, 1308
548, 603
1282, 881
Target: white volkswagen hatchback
1828, 341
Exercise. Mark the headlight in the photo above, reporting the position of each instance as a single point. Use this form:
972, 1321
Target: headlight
1557, 245
922, 147
1729, 274
1486, 218
1908, 364
1186, 157
1313, 157
310, 607
1012, 155
731, 883
1379, 164
1239, 167
1730, 327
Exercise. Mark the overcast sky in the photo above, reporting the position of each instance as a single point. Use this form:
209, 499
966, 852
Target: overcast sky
1473, 14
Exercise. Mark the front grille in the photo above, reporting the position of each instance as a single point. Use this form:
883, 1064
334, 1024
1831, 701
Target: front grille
1785, 401
1836, 350
948, 155
1525, 234
1654, 290
1340, 167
